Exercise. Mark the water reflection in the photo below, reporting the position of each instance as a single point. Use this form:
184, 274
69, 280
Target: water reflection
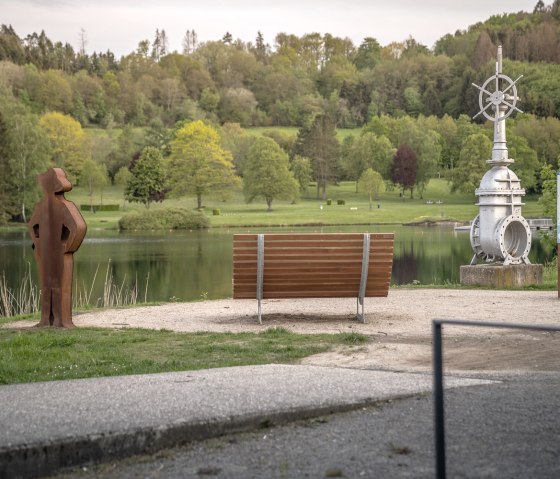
193, 265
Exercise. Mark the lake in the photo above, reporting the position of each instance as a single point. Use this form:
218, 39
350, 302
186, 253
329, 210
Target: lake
183, 266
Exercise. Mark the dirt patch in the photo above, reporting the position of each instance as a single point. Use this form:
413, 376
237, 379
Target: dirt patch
504, 351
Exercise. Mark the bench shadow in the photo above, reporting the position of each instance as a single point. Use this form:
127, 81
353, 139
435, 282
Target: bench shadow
278, 319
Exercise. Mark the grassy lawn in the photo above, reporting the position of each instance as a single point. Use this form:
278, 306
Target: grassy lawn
307, 211
341, 133
393, 209
46, 355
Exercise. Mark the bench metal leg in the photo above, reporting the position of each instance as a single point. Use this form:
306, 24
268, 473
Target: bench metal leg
360, 315
363, 281
260, 271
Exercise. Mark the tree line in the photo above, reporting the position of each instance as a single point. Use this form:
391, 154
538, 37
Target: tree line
253, 83
411, 106
201, 158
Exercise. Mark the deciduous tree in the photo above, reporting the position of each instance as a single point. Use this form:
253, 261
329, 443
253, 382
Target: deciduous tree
24, 153
267, 173
371, 183
475, 151
198, 164
404, 168
302, 171
68, 143
93, 177
368, 151
548, 198
236, 140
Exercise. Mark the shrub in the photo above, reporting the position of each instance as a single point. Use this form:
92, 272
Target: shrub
100, 207
329, 202
164, 219
340, 202
216, 212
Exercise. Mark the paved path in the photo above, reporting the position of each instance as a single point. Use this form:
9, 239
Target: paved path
509, 429
44, 426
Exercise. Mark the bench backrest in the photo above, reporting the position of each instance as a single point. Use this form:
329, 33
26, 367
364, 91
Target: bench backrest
312, 265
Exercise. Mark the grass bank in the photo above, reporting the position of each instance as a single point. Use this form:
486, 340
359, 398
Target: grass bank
46, 355
438, 204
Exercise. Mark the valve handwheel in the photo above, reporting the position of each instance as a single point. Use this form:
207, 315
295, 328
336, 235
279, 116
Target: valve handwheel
498, 97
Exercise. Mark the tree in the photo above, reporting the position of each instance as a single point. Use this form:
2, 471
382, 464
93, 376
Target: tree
237, 105
371, 182
475, 150
93, 177
368, 55
319, 143
302, 171
526, 164
404, 168
267, 173
121, 179
127, 148
227, 38
190, 42
24, 153
236, 140
198, 164
426, 144
68, 143
548, 199
367, 151
333, 75
484, 50
261, 49
54, 92
146, 184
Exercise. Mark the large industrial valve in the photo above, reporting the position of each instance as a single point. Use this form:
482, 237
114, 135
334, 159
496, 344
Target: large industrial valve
500, 233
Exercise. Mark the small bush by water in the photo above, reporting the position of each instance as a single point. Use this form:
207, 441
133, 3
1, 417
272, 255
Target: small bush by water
164, 219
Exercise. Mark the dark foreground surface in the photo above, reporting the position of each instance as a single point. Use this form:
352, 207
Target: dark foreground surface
509, 429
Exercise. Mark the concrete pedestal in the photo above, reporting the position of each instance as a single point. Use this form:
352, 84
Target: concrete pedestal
499, 276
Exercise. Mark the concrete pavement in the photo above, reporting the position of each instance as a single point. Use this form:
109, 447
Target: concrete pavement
49, 425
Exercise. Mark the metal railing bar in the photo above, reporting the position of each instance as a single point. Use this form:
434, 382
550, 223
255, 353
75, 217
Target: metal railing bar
437, 361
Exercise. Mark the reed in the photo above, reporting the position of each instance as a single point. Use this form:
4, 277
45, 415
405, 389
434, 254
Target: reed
115, 295
23, 300
26, 297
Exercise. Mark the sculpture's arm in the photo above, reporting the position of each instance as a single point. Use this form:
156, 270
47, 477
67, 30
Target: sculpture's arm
74, 228
34, 228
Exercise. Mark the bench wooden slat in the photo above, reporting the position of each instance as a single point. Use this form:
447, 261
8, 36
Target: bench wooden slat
376, 293
316, 237
306, 265
309, 290
312, 255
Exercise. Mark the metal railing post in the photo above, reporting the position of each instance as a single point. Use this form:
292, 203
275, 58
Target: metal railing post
439, 425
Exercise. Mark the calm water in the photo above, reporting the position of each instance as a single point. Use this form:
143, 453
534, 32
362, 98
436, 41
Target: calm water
190, 265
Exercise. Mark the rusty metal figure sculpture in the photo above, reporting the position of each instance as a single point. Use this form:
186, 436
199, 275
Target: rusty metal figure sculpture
57, 229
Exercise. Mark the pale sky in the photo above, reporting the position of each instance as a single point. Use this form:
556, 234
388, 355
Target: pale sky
119, 25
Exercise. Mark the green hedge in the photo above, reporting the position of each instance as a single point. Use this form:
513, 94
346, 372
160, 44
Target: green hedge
100, 207
164, 219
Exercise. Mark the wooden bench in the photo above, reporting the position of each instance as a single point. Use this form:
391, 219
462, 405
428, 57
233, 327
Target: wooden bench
312, 265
